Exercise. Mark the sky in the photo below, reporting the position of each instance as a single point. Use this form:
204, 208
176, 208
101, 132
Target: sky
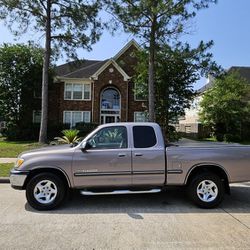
226, 23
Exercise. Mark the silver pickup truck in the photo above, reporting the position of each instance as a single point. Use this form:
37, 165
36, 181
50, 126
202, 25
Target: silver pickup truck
128, 158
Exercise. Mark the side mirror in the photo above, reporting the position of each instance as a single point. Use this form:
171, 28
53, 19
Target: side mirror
86, 146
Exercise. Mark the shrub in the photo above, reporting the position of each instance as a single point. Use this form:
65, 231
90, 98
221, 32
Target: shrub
55, 129
24, 133
85, 128
232, 138
30, 132
219, 137
70, 136
173, 135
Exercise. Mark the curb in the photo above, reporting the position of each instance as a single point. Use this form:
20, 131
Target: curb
4, 180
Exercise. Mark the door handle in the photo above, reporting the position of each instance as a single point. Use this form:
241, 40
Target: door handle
121, 155
138, 154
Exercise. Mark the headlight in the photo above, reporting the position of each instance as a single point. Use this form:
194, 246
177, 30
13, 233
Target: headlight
19, 162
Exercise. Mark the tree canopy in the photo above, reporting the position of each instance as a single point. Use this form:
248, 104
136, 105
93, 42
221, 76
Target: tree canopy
176, 71
20, 74
225, 106
65, 26
156, 23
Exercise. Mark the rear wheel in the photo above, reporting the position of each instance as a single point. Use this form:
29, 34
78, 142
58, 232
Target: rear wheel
206, 190
45, 191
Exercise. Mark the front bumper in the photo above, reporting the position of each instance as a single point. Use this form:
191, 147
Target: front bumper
17, 178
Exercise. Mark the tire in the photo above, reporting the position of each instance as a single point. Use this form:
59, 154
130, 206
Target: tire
45, 191
206, 190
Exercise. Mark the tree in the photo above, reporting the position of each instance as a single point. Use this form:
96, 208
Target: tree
176, 70
20, 74
156, 23
66, 25
225, 108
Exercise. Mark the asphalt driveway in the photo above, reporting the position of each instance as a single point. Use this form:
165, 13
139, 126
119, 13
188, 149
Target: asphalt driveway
149, 221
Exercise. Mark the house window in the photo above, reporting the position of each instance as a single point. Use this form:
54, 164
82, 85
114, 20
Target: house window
77, 91
188, 129
140, 117
139, 92
74, 117
36, 116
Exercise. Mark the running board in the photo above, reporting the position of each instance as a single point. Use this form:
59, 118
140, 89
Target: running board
151, 191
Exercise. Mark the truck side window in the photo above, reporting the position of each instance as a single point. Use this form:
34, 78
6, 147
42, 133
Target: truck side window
144, 136
110, 138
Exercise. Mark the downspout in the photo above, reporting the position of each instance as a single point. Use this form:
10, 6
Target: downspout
93, 95
127, 103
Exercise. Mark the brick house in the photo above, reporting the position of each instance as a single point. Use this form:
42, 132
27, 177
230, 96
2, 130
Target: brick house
96, 91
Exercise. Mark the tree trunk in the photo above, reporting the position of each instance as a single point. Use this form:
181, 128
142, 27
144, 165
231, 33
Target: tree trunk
45, 77
151, 74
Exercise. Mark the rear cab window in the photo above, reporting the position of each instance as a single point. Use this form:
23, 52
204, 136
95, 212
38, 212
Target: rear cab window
144, 137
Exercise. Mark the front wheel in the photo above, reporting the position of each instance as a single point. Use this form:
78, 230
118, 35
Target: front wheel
45, 191
206, 190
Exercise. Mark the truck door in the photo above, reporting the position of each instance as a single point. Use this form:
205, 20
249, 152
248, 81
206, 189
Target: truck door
148, 156
107, 162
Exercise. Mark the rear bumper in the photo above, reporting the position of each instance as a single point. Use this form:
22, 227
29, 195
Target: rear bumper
17, 178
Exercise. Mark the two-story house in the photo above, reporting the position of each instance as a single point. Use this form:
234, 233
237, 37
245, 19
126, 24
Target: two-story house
96, 91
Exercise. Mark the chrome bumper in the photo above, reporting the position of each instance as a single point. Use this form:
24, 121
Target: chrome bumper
17, 178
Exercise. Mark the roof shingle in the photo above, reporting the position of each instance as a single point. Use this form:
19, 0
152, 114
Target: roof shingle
243, 72
79, 69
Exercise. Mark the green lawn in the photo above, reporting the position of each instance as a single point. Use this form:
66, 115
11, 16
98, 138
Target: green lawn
13, 148
5, 169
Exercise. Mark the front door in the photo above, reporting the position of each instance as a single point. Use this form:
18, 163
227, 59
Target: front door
109, 118
107, 163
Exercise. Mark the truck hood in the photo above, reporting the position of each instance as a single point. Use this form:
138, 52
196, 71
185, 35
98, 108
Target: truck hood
47, 150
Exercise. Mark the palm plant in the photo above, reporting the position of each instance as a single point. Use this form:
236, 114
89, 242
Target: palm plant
70, 136
114, 135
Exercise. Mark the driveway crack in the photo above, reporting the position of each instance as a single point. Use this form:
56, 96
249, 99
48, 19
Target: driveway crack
243, 224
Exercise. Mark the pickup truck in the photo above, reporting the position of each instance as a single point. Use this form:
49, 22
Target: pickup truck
126, 158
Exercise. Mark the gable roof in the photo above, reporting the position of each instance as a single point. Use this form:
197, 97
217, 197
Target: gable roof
108, 63
208, 85
126, 47
79, 69
87, 69
243, 71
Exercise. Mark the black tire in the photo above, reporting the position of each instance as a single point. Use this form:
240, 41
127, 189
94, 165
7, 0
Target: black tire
213, 197
53, 182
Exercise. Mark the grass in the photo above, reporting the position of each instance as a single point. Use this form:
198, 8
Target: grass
5, 169
10, 149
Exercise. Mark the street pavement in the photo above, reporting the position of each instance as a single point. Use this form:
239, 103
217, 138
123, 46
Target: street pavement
148, 221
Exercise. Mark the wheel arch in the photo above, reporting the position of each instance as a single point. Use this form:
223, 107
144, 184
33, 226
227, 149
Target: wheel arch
48, 169
211, 168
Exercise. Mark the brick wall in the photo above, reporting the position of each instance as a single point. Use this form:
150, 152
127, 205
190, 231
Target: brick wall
105, 80
128, 63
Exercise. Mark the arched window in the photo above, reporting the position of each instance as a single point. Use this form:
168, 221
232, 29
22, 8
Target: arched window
110, 99
110, 105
